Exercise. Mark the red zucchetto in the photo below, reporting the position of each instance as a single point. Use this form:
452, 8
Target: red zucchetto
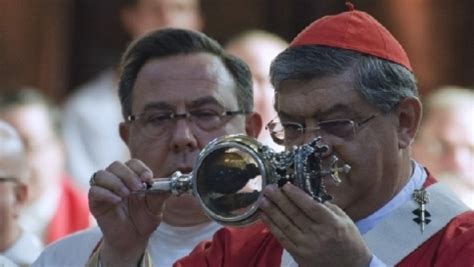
357, 31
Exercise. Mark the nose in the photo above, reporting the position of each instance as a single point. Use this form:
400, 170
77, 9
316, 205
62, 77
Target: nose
183, 136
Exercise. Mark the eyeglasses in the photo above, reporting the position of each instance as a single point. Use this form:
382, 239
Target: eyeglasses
158, 123
8, 179
290, 132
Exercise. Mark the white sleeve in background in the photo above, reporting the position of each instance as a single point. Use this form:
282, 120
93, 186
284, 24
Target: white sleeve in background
90, 123
73, 250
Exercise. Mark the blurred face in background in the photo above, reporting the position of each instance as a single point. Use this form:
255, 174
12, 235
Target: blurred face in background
148, 15
258, 53
13, 190
9, 207
258, 49
43, 149
10, 179
445, 144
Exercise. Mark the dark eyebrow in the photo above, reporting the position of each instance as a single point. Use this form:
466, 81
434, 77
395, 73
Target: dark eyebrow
341, 108
338, 108
206, 100
283, 115
8, 179
158, 105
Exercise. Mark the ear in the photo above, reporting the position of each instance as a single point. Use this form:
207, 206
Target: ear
409, 116
21, 196
124, 131
253, 124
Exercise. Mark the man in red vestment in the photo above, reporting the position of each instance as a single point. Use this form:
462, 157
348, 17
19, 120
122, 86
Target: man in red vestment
346, 79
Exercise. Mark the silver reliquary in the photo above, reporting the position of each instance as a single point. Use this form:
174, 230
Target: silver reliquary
231, 172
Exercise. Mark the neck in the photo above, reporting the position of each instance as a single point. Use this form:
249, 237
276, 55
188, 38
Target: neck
9, 237
407, 169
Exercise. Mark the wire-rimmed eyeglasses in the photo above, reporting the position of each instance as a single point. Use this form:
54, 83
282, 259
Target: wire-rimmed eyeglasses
158, 123
290, 132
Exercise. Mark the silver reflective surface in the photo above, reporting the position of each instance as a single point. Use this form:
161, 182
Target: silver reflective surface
229, 179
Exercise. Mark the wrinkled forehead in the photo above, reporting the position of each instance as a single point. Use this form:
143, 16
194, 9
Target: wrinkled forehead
320, 97
194, 66
182, 79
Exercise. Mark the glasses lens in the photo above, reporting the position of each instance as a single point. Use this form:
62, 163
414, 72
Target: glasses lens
292, 131
276, 132
8, 179
208, 120
284, 132
156, 124
339, 128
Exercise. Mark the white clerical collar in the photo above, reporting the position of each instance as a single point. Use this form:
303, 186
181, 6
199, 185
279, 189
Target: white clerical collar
416, 181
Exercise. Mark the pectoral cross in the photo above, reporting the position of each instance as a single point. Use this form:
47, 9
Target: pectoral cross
422, 197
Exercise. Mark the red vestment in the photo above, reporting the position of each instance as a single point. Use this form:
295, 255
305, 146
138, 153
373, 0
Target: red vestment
72, 213
256, 246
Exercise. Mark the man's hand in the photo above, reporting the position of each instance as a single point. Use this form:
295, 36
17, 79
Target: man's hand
315, 234
126, 216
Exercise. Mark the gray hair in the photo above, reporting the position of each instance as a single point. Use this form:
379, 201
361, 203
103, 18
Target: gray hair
381, 83
172, 42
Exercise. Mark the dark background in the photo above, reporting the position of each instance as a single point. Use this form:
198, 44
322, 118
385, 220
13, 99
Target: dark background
56, 45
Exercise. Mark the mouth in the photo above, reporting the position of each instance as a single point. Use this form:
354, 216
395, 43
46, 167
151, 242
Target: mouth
185, 170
